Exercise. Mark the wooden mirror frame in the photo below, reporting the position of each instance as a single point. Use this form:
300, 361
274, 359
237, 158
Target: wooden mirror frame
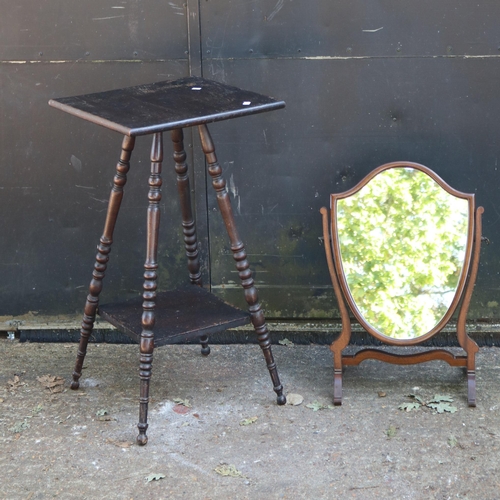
462, 296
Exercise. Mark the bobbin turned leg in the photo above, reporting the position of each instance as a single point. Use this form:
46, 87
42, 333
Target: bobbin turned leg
150, 277
188, 224
240, 256
102, 256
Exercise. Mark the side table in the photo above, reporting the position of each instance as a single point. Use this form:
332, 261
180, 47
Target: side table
192, 312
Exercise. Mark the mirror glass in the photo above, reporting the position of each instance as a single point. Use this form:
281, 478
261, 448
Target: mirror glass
402, 241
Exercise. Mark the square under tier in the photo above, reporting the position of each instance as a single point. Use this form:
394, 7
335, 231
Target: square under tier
182, 314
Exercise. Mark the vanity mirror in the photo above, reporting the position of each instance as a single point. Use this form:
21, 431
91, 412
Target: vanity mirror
402, 249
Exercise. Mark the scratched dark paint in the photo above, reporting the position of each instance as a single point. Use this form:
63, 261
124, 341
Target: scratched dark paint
365, 83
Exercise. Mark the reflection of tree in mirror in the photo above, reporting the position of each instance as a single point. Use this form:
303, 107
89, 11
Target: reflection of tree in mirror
402, 242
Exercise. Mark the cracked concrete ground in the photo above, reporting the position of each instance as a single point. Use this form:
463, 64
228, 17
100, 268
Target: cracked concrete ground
81, 444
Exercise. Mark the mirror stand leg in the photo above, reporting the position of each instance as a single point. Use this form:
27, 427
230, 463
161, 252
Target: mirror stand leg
102, 256
338, 372
471, 387
337, 386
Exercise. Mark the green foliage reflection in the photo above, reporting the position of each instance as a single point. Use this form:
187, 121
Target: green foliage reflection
402, 242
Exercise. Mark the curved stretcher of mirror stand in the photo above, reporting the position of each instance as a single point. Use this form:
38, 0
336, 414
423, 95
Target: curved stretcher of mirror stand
463, 293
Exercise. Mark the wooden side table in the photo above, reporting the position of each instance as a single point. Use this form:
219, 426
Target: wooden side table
192, 312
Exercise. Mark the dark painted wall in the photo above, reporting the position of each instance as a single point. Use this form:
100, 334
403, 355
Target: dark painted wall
366, 82
55, 170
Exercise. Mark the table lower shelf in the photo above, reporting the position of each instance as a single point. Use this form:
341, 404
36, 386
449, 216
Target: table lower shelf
181, 314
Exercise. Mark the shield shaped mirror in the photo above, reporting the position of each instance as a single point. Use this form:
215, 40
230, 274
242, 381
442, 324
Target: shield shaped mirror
402, 246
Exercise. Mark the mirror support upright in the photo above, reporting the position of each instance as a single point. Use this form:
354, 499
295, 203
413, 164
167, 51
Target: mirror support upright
346, 282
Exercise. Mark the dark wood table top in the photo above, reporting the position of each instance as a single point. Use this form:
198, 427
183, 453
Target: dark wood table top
161, 106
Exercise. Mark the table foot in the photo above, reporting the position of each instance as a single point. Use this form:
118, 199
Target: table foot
205, 348
142, 438
75, 385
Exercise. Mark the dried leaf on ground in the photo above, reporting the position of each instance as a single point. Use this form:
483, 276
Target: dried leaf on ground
409, 406
248, 421
154, 477
15, 383
1, 400
294, 399
442, 407
391, 431
286, 342
382, 394
452, 441
228, 470
440, 403
20, 427
51, 382
103, 415
120, 444
316, 405
37, 409
181, 409
417, 397
441, 398
183, 402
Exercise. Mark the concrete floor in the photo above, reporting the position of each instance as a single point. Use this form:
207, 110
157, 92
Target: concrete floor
81, 444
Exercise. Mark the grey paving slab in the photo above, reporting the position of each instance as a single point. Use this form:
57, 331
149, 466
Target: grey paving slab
80, 444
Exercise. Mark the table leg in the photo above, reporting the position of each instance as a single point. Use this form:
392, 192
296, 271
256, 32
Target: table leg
240, 256
150, 277
188, 223
102, 256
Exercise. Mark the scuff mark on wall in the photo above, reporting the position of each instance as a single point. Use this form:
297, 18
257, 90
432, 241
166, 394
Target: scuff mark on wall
277, 8
76, 163
234, 191
177, 7
106, 18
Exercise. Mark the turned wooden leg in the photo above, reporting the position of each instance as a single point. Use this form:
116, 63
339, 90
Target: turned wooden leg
240, 256
188, 223
150, 277
102, 256
205, 348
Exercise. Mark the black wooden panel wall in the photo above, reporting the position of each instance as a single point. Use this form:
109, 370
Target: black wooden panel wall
365, 82
56, 170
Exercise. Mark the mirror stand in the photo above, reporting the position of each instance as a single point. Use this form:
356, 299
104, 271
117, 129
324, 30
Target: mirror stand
358, 287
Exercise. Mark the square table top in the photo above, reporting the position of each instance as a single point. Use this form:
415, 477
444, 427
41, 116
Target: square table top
161, 106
